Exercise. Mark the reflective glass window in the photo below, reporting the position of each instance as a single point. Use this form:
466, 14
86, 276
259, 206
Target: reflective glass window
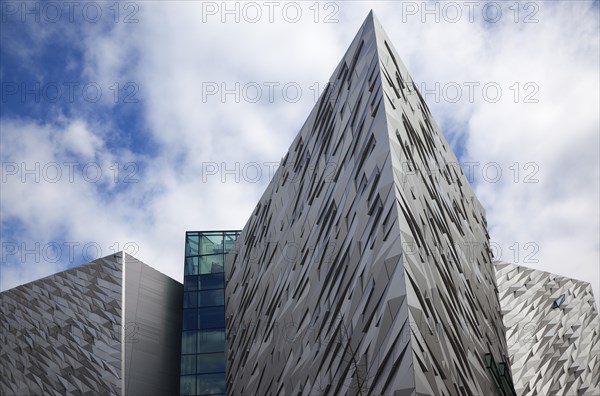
192, 244
209, 298
188, 364
191, 265
210, 318
229, 241
188, 342
190, 283
190, 299
187, 385
211, 264
211, 363
211, 341
212, 281
190, 319
210, 384
211, 243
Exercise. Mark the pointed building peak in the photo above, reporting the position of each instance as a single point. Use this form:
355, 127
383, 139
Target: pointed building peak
371, 21
371, 15
376, 131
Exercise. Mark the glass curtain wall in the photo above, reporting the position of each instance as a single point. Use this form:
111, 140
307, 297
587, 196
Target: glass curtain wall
203, 340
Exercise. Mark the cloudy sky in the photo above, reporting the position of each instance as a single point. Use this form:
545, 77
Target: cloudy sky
125, 124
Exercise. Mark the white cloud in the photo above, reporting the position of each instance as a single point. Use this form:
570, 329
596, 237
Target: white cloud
80, 140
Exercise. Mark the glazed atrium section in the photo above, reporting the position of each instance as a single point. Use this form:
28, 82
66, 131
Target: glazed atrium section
203, 338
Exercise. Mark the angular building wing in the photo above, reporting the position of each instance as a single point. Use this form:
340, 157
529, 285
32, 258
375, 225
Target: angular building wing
111, 327
553, 331
365, 266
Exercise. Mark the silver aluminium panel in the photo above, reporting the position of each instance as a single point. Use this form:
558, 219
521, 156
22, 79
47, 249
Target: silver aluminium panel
553, 331
365, 266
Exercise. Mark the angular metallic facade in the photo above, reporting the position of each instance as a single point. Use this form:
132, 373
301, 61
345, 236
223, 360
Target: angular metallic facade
93, 329
152, 331
553, 331
365, 267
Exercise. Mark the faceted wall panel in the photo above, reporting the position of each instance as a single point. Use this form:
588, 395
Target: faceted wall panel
451, 286
359, 272
553, 332
60, 332
93, 329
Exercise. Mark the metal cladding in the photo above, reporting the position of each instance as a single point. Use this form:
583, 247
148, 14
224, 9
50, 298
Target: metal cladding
365, 266
553, 332
93, 329
151, 332
60, 332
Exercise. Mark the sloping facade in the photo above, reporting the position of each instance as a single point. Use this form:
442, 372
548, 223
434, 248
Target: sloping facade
365, 266
93, 329
553, 331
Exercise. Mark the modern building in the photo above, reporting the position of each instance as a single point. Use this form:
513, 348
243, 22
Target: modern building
365, 267
553, 331
110, 327
203, 341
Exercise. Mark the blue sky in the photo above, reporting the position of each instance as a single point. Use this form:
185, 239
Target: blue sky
125, 125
